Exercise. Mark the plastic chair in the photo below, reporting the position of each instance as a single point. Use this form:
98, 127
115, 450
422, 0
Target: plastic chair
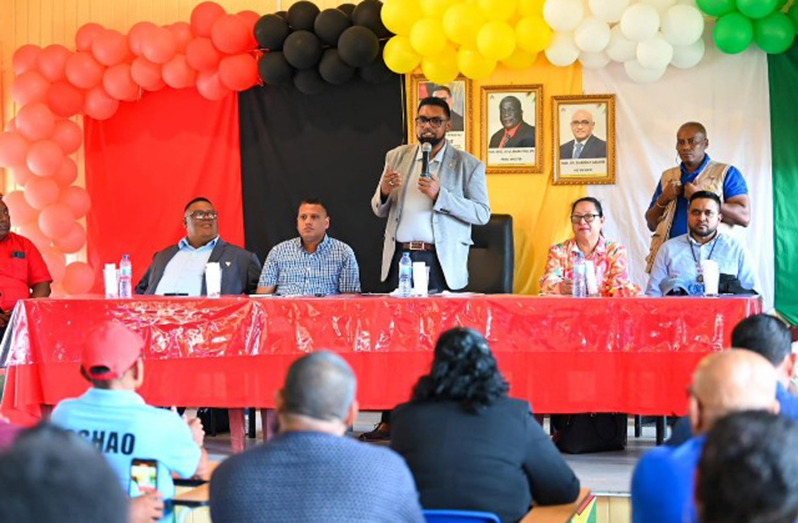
460, 516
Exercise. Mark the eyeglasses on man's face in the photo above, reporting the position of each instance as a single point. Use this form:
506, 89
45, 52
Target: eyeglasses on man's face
203, 215
588, 218
583, 123
435, 122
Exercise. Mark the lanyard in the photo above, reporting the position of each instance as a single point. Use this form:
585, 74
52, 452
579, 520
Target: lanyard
700, 277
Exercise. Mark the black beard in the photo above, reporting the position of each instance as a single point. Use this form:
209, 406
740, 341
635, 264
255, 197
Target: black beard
432, 141
699, 234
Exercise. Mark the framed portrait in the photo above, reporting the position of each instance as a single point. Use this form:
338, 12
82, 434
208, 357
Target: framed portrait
584, 139
512, 116
457, 94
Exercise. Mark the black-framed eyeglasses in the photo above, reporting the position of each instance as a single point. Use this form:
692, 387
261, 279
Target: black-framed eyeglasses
576, 218
435, 122
203, 215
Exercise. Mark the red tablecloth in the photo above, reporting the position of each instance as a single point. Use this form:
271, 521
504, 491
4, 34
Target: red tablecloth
562, 354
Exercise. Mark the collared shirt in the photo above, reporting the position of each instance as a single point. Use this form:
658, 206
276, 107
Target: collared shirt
332, 269
677, 260
124, 428
509, 133
184, 272
733, 185
415, 224
609, 262
581, 146
21, 267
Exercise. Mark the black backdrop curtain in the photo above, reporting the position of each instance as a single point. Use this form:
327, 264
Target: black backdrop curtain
330, 146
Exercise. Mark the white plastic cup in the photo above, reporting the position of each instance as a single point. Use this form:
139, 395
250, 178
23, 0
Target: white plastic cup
711, 272
213, 280
110, 281
420, 279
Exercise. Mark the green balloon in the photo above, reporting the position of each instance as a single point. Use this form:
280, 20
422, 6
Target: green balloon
782, 3
775, 33
716, 7
733, 33
793, 14
757, 9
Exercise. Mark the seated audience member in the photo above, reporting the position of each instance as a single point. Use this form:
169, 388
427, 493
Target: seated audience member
180, 269
724, 382
50, 475
469, 446
677, 266
313, 263
113, 417
23, 273
770, 337
748, 472
311, 471
608, 258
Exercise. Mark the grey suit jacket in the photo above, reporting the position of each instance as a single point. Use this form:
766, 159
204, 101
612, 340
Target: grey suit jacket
240, 269
462, 202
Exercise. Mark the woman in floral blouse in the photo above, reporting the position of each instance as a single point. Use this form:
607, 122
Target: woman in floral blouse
608, 257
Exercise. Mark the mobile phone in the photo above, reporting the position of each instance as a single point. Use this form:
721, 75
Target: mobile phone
144, 475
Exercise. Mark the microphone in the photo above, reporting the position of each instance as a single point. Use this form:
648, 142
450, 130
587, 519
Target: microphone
426, 148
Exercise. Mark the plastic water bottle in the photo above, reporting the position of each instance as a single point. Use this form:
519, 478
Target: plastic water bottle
580, 276
125, 277
405, 275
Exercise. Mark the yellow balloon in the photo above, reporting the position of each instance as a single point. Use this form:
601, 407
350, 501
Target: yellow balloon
474, 65
441, 68
520, 59
436, 8
399, 55
527, 7
400, 15
496, 40
532, 34
499, 10
427, 37
462, 22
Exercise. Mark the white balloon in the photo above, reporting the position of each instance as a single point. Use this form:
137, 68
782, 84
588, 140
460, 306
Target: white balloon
563, 15
660, 5
682, 25
608, 10
594, 60
687, 2
640, 74
654, 53
592, 35
562, 51
620, 48
687, 56
640, 22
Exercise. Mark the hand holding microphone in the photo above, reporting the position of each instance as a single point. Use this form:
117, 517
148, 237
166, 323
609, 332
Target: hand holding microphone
427, 184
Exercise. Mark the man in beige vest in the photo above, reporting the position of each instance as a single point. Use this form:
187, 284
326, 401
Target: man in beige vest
667, 213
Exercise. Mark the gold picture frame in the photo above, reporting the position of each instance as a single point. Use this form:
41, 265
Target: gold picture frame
581, 156
459, 99
519, 148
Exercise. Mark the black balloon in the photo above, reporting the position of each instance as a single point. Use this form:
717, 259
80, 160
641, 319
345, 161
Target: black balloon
309, 81
282, 14
302, 15
302, 49
367, 14
330, 24
358, 46
376, 72
334, 70
274, 69
271, 31
348, 9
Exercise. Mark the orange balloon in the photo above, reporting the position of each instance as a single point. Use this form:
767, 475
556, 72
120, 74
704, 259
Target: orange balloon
209, 85
56, 220
177, 74
202, 55
119, 84
138, 33
239, 72
25, 58
109, 47
78, 278
203, 16
83, 71
20, 209
52, 62
99, 105
67, 173
29, 87
35, 122
146, 74
229, 34
77, 199
68, 135
182, 32
41, 192
45, 157
160, 45
73, 241
86, 35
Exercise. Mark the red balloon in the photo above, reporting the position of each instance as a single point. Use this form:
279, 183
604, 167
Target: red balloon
13, 149
52, 62
203, 16
11, 125
138, 33
64, 99
182, 32
20, 209
86, 35
229, 34
177, 73
160, 46
56, 220
21, 174
202, 55
210, 87
36, 121
29, 87
55, 260
78, 279
110, 47
45, 158
239, 72
99, 105
25, 58
31, 231
146, 74
67, 173
119, 84
41, 192
72, 241
251, 18
83, 71
68, 136
77, 199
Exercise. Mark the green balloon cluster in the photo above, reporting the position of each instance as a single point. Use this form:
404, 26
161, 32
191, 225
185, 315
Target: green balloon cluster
741, 22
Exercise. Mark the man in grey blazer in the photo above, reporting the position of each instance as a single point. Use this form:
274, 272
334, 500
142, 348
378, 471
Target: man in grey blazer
180, 269
431, 217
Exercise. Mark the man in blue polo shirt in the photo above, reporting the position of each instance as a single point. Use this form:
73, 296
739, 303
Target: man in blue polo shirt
666, 216
725, 382
113, 417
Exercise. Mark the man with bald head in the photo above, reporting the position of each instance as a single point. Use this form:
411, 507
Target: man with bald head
585, 144
515, 132
725, 382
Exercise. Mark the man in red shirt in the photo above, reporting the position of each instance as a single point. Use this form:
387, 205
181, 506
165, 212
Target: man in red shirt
23, 273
